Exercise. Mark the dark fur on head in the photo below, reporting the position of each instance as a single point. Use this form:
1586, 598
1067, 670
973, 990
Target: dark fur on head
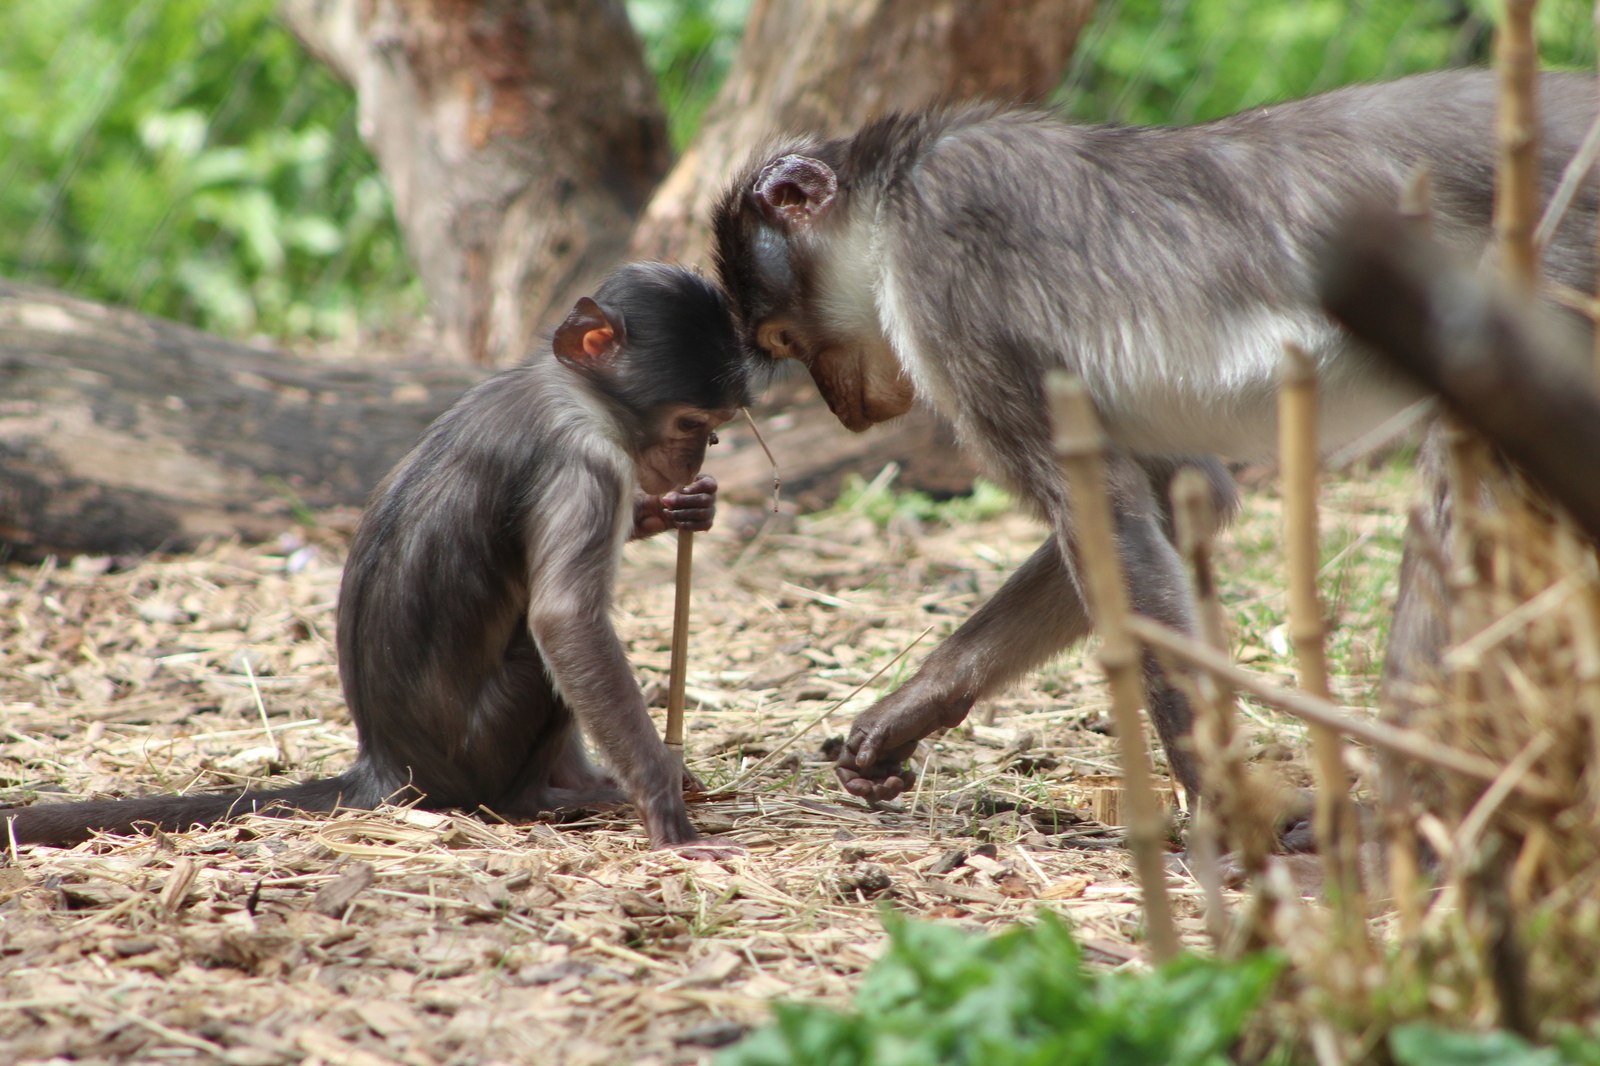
680, 346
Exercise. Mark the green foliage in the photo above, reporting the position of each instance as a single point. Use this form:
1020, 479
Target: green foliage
1425, 1044
878, 500
1178, 61
940, 995
189, 159
689, 44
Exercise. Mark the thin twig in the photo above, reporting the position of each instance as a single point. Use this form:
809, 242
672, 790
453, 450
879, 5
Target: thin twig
261, 708
1577, 169
677, 678
1385, 433
1472, 826
1469, 651
767, 759
777, 481
1404, 742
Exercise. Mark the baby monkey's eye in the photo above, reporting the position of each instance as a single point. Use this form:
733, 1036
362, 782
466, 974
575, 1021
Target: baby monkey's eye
690, 425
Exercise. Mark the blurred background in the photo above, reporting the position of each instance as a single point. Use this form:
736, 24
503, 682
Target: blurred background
190, 159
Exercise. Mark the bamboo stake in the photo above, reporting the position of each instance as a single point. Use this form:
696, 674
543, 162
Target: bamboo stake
1334, 819
680, 643
1079, 445
1194, 515
1516, 195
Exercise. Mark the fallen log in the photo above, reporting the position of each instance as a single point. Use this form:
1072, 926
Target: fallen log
123, 434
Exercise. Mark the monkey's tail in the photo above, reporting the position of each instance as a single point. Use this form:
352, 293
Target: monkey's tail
70, 823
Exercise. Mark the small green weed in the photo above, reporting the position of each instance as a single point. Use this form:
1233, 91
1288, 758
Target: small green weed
877, 500
941, 995
1425, 1044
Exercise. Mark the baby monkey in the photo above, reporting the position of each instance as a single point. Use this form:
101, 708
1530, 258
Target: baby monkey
474, 631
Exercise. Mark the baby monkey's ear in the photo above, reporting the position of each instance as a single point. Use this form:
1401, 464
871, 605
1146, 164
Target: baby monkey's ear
589, 337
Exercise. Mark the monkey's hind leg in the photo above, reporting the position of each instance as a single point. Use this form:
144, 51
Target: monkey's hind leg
559, 777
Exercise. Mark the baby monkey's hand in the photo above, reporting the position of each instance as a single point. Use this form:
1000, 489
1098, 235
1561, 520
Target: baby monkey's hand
691, 508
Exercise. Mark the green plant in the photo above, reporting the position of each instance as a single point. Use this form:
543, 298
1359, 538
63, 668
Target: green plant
188, 158
941, 995
1425, 1044
689, 44
877, 500
1179, 61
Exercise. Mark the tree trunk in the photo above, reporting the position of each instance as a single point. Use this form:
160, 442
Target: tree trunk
121, 434
520, 139
827, 66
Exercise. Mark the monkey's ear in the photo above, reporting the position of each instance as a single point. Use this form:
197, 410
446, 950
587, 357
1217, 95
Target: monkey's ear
795, 189
588, 337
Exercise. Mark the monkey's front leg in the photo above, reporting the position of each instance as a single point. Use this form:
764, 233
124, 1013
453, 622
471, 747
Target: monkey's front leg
1034, 615
691, 508
591, 668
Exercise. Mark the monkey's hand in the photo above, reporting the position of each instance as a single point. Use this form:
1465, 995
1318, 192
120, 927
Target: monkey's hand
872, 764
691, 508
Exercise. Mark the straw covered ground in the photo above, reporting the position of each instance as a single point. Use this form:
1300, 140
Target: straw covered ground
405, 936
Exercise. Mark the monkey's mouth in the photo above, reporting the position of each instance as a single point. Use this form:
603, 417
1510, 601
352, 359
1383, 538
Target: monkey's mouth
860, 399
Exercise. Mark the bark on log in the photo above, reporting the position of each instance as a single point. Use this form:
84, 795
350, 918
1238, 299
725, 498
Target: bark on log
827, 66
121, 434
520, 139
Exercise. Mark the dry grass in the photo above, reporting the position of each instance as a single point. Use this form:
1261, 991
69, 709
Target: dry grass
411, 937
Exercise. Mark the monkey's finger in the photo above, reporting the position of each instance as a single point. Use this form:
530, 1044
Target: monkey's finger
694, 520
674, 501
895, 781
703, 483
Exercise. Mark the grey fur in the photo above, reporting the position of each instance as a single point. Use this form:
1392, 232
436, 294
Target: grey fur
474, 628
1166, 266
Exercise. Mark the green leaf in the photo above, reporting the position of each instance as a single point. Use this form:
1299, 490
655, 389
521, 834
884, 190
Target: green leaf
1425, 1044
942, 995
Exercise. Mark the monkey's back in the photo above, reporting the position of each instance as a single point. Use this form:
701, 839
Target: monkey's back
1168, 265
431, 622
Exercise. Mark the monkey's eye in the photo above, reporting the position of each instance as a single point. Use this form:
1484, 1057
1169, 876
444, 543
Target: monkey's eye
690, 425
714, 437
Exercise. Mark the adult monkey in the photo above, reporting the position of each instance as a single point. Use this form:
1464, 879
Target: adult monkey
957, 256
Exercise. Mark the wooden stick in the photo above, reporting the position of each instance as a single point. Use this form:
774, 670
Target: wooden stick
1079, 445
1195, 520
1404, 742
1516, 186
1334, 820
680, 643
